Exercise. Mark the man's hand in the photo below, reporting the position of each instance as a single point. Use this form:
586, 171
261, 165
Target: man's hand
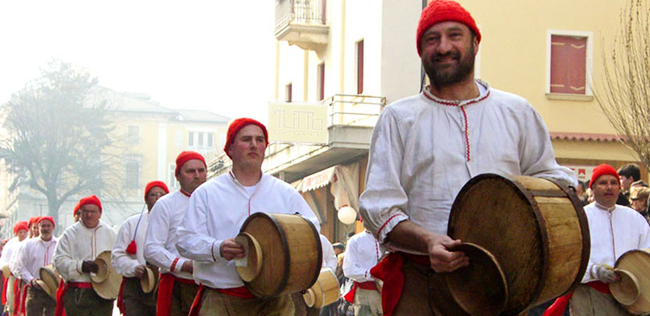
140, 271
35, 284
188, 266
89, 266
443, 260
230, 249
606, 274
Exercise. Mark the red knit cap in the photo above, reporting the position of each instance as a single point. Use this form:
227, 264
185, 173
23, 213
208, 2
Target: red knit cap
33, 220
602, 170
46, 218
22, 225
237, 125
153, 184
440, 11
76, 209
185, 157
93, 200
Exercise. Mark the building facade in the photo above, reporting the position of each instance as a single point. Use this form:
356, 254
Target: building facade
147, 137
353, 57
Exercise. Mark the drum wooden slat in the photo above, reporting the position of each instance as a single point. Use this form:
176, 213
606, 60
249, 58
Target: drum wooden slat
637, 262
292, 254
536, 231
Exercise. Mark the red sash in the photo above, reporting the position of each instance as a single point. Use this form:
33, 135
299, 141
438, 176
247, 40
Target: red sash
369, 285
23, 299
558, 307
240, 292
165, 288
17, 286
391, 271
4, 291
62, 289
120, 295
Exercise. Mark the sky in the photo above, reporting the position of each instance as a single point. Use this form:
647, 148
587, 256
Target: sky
204, 54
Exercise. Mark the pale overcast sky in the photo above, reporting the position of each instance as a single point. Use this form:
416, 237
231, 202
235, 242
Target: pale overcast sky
207, 54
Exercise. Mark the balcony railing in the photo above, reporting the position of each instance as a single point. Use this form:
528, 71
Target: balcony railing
354, 109
309, 12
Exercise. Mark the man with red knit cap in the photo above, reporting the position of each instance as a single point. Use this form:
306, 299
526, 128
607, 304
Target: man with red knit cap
74, 260
215, 215
33, 226
7, 263
36, 253
614, 230
424, 148
128, 257
176, 288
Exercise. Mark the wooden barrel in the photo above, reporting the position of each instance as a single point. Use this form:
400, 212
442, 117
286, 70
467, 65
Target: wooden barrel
325, 291
284, 254
535, 229
633, 292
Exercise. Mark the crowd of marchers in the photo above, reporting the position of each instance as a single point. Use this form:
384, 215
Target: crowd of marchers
423, 150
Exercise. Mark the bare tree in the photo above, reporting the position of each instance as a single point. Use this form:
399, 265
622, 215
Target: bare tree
624, 95
57, 140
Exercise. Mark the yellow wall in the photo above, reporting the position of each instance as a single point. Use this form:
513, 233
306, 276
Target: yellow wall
514, 52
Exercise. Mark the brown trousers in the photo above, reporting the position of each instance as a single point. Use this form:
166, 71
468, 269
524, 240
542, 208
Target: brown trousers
425, 293
137, 302
215, 303
86, 302
588, 302
38, 303
183, 295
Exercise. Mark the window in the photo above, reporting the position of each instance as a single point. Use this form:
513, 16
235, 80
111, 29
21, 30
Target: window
360, 67
132, 172
172, 183
288, 91
133, 135
200, 140
320, 84
569, 64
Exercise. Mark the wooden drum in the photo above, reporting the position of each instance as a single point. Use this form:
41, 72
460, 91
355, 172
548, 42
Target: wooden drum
533, 229
325, 291
633, 291
283, 254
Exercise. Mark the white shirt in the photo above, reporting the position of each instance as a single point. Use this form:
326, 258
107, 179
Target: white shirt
329, 258
9, 251
79, 243
34, 254
613, 233
217, 210
123, 262
424, 149
361, 254
162, 234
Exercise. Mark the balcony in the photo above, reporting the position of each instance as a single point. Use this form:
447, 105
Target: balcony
302, 23
351, 119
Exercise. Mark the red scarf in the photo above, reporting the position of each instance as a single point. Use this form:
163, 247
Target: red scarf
558, 307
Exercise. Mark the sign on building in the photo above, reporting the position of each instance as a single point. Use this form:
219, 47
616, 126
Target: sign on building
297, 122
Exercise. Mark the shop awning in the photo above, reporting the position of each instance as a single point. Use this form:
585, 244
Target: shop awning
316, 180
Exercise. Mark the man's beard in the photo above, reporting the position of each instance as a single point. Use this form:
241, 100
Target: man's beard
444, 78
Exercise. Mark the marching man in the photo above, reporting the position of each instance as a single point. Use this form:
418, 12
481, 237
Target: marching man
128, 257
36, 253
176, 288
73, 259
